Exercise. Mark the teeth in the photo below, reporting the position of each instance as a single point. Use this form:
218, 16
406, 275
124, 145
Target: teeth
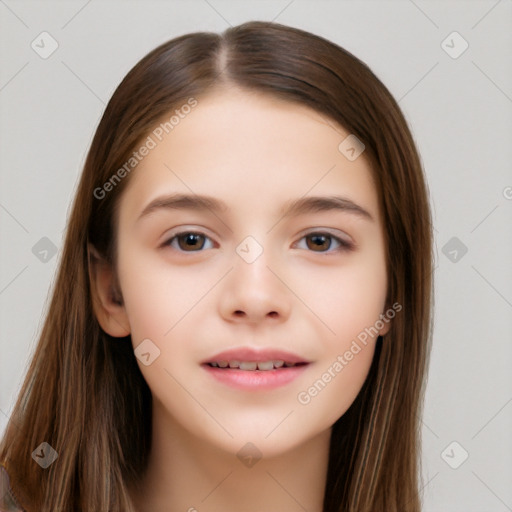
248, 366
267, 365
251, 365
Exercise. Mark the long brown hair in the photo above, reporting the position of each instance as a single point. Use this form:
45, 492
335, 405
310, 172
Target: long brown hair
84, 394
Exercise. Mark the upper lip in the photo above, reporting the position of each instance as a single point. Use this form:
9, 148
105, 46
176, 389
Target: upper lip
255, 355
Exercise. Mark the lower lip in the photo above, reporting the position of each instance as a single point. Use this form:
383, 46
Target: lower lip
256, 379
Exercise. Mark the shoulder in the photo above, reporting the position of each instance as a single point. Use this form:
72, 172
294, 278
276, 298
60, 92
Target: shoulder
8, 501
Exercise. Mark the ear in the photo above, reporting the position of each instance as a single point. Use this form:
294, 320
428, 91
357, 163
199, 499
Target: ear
385, 329
387, 324
107, 301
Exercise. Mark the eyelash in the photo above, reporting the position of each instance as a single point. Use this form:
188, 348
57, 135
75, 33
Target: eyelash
343, 245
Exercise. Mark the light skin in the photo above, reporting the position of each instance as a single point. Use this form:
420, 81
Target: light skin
196, 297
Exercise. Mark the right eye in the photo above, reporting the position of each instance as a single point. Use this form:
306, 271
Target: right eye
189, 241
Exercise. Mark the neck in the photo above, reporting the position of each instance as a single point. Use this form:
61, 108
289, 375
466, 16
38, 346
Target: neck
189, 474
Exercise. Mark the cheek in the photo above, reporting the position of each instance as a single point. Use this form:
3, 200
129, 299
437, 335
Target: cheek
334, 389
157, 296
347, 298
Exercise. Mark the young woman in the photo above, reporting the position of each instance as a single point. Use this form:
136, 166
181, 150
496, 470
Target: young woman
242, 314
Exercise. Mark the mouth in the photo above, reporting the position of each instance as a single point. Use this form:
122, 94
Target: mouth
250, 369
251, 366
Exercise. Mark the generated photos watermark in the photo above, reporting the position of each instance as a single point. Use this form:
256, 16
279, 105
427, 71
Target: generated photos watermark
151, 142
304, 397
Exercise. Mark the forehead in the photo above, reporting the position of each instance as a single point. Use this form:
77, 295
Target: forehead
251, 150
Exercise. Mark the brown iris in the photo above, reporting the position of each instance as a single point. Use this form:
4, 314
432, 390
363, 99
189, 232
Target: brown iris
318, 242
191, 241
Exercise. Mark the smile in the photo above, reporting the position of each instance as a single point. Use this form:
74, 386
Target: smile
248, 376
253, 365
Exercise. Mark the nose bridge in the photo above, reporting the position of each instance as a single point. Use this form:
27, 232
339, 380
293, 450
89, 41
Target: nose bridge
253, 290
251, 267
259, 272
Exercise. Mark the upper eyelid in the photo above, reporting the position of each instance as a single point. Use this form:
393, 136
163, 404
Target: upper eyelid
173, 234
344, 237
315, 230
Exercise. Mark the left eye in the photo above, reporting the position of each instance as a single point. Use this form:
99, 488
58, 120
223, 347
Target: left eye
189, 241
322, 242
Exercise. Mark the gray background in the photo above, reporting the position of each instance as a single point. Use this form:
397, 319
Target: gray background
460, 113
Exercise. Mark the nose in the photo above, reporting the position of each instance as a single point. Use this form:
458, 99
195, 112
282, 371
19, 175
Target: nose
255, 292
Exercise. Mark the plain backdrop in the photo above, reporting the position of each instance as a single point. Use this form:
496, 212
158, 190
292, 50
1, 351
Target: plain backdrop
456, 92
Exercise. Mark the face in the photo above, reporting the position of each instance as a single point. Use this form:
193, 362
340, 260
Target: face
246, 277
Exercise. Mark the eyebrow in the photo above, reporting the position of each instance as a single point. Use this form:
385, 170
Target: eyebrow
309, 204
